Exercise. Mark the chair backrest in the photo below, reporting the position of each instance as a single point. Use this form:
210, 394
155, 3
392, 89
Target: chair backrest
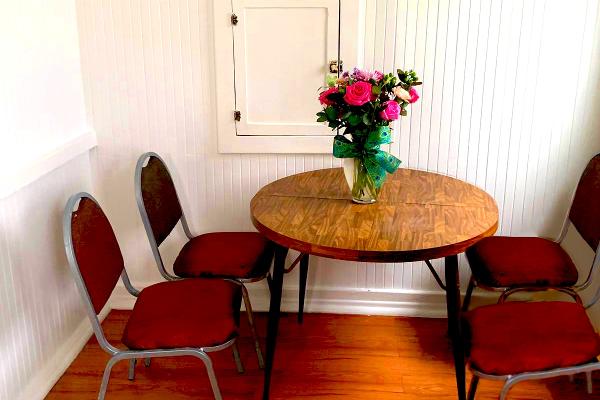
585, 209
92, 249
158, 196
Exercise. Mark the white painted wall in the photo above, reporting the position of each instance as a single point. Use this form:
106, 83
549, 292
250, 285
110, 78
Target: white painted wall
41, 92
508, 104
44, 139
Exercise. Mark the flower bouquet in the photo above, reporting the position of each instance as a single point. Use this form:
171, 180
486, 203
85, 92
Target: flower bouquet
363, 104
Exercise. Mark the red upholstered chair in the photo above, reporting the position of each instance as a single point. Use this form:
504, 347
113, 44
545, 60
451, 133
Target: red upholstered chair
181, 318
512, 264
243, 257
519, 341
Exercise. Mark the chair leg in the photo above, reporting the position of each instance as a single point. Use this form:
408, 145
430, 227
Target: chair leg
506, 388
302, 292
132, 364
236, 357
147, 362
105, 378
261, 362
211, 374
588, 378
468, 294
473, 387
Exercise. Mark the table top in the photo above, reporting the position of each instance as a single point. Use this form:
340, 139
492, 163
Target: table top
419, 215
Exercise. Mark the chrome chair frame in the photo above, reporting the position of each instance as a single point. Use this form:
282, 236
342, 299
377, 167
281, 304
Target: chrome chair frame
570, 290
131, 355
141, 163
511, 380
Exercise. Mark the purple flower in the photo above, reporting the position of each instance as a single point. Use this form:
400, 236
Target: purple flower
361, 75
377, 76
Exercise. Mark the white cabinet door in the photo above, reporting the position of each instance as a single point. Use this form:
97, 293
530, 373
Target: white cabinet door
272, 58
281, 52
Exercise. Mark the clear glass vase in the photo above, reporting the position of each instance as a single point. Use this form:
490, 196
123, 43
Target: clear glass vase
361, 184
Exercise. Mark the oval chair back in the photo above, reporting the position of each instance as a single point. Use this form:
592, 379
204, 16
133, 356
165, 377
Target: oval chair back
158, 204
585, 209
94, 257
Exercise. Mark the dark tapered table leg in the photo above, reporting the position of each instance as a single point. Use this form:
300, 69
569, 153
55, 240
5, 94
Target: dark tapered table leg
302, 293
453, 305
274, 309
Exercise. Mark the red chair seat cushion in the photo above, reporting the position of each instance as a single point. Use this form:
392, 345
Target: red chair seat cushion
517, 337
225, 254
186, 313
501, 261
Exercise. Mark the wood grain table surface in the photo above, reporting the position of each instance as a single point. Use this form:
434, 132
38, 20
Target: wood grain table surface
419, 216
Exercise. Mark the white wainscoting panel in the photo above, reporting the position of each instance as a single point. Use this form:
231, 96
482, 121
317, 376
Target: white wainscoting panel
42, 317
509, 103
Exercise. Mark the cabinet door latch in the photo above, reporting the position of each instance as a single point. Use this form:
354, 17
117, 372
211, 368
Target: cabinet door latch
234, 19
237, 115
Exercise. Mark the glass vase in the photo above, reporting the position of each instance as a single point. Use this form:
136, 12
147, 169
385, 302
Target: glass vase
361, 184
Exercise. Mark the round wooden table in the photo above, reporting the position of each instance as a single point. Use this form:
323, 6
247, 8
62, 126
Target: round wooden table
419, 216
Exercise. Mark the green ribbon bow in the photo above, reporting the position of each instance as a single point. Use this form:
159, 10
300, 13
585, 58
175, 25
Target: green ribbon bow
376, 161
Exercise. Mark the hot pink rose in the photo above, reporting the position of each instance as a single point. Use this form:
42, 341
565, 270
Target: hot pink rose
323, 96
391, 112
358, 93
414, 95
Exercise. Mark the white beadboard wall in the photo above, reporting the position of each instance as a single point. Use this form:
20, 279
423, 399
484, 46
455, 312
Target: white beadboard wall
42, 319
509, 102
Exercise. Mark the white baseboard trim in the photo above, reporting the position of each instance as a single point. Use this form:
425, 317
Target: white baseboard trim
42, 382
392, 302
22, 176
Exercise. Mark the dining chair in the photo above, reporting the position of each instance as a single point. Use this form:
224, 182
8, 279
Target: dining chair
190, 317
513, 264
243, 257
519, 341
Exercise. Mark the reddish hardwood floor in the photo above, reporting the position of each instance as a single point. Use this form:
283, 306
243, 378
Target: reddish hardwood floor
329, 357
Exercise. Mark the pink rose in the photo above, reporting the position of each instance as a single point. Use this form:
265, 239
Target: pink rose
358, 93
377, 76
391, 112
414, 95
323, 96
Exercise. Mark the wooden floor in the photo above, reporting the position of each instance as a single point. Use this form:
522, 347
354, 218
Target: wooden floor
329, 357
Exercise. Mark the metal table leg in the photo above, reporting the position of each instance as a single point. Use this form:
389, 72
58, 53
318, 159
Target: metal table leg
274, 310
453, 306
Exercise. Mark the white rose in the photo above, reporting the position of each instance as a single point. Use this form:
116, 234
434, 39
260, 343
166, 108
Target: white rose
400, 92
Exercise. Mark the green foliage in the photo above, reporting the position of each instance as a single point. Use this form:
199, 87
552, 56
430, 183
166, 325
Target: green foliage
408, 78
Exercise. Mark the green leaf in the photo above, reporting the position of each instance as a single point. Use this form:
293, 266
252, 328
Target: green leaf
354, 119
331, 113
376, 90
366, 120
322, 118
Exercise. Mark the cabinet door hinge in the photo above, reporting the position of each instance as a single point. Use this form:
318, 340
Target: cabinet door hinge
237, 115
234, 19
